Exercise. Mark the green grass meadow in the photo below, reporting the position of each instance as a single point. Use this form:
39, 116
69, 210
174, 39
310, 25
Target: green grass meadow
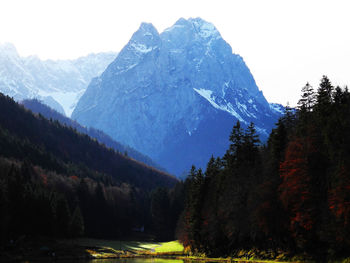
133, 246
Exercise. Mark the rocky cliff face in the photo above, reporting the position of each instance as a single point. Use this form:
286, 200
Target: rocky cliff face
58, 83
176, 95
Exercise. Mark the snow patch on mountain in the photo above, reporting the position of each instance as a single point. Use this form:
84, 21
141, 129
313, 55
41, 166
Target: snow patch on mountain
207, 94
141, 48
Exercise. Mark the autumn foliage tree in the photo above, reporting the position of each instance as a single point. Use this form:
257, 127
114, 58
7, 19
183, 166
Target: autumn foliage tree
296, 191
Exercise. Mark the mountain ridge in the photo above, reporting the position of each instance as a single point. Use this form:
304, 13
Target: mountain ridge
58, 83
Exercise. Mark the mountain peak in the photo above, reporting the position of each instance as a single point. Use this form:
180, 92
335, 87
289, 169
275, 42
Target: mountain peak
144, 40
200, 27
205, 29
8, 48
198, 21
146, 34
147, 28
181, 21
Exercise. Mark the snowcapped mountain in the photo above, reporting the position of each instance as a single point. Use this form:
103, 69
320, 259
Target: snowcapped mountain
15, 80
58, 83
176, 95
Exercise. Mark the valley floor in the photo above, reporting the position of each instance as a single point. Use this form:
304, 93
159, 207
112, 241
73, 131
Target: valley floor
44, 249
86, 248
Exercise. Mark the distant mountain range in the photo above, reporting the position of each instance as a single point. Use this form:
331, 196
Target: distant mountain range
57, 83
176, 95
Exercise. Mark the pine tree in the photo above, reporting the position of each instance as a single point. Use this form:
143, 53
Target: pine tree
191, 217
251, 142
63, 217
308, 99
236, 139
277, 144
289, 117
213, 168
160, 205
251, 137
4, 212
77, 223
324, 94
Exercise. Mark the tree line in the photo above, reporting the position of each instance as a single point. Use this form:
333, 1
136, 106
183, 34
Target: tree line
292, 193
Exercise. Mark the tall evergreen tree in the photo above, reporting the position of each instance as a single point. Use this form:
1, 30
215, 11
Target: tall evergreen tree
251, 142
307, 99
324, 95
77, 223
160, 210
63, 217
236, 139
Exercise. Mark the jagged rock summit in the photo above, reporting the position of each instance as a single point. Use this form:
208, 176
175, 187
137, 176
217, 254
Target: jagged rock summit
176, 95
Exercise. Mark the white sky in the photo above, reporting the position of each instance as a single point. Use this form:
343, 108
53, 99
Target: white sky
285, 43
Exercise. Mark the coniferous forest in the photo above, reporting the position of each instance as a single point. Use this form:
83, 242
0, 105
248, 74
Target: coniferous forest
293, 193
57, 182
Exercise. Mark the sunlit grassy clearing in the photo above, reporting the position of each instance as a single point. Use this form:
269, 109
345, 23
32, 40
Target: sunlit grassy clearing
172, 246
116, 244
